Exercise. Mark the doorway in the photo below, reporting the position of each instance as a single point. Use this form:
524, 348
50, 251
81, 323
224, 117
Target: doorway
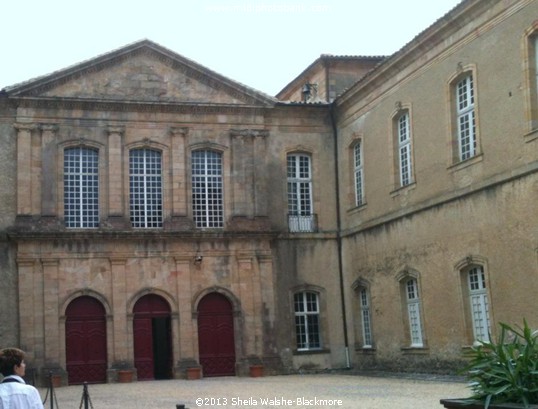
85, 341
216, 342
152, 338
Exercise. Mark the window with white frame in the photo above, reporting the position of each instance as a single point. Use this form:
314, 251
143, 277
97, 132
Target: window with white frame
404, 150
207, 189
359, 174
465, 112
145, 184
366, 318
81, 187
307, 323
479, 303
300, 210
413, 312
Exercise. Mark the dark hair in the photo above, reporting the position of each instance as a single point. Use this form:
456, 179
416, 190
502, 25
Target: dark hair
9, 358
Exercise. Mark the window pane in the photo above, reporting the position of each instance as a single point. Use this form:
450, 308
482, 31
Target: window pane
145, 184
81, 187
207, 189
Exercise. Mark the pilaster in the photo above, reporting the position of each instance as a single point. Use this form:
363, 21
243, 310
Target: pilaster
51, 311
116, 208
49, 169
179, 160
24, 168
122, 343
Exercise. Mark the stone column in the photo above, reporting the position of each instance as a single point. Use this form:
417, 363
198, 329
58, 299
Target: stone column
24, 168
28, 305
49, 170
116, 200
51, 314
122, 343
179, 171
242, 173
184, 337
260, 172
250, 295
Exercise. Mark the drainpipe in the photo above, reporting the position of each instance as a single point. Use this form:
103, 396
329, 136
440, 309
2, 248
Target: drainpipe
339, 235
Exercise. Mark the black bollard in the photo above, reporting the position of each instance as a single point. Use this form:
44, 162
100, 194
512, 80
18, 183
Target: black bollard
85, 396
51, 388
180, 406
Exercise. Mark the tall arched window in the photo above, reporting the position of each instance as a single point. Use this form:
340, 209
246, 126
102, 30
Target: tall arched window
479, 305
81, 187
413, 311
145, 183
358, 165
207, 189
465, 114
300, 209
405, 160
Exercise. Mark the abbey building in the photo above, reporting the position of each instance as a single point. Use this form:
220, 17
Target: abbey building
379, 212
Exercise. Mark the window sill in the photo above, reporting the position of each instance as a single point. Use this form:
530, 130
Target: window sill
357, 209
312, 351
396, 192
531, 136
365, 350
466, 163
416, 350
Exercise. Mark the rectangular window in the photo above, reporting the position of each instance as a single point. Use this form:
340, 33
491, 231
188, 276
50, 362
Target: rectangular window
145, 183
465, 111
404, 150
413, 310
307, 327
299, 173
366, 319
479, 304
81, 187
207, 189
359, 183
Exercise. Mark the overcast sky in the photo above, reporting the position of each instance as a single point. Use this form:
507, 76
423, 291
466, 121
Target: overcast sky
262, 44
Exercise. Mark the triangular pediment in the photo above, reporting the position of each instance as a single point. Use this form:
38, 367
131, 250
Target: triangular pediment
143, 72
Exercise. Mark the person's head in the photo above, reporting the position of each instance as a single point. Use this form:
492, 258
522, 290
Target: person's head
12, 362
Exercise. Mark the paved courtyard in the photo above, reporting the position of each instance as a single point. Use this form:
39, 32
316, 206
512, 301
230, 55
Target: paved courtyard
292, 391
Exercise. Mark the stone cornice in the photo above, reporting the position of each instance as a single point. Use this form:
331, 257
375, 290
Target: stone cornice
22, 235
441, 200
136, 106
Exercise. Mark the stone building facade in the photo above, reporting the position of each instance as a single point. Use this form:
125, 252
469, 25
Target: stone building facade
157, 216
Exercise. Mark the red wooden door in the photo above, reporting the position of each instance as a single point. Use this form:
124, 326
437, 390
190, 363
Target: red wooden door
152, 338
216, 335
85, 341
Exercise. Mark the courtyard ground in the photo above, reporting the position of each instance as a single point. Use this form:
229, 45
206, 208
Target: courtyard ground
289, 391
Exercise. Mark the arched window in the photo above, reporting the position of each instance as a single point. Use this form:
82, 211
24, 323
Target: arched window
81, 187
366, 317
413, 311
465, 114
145, 183
358, 165
207, 189
300, 208
405, 160
479, 305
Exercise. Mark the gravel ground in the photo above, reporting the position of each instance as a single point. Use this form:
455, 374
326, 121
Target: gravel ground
291, 391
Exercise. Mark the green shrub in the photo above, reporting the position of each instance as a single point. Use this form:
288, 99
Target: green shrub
506, 370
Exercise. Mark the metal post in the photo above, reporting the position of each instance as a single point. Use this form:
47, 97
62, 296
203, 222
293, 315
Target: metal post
85, 396
51, 387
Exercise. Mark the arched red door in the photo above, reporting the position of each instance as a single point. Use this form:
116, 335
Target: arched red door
85, 341
152, 338
216, 335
